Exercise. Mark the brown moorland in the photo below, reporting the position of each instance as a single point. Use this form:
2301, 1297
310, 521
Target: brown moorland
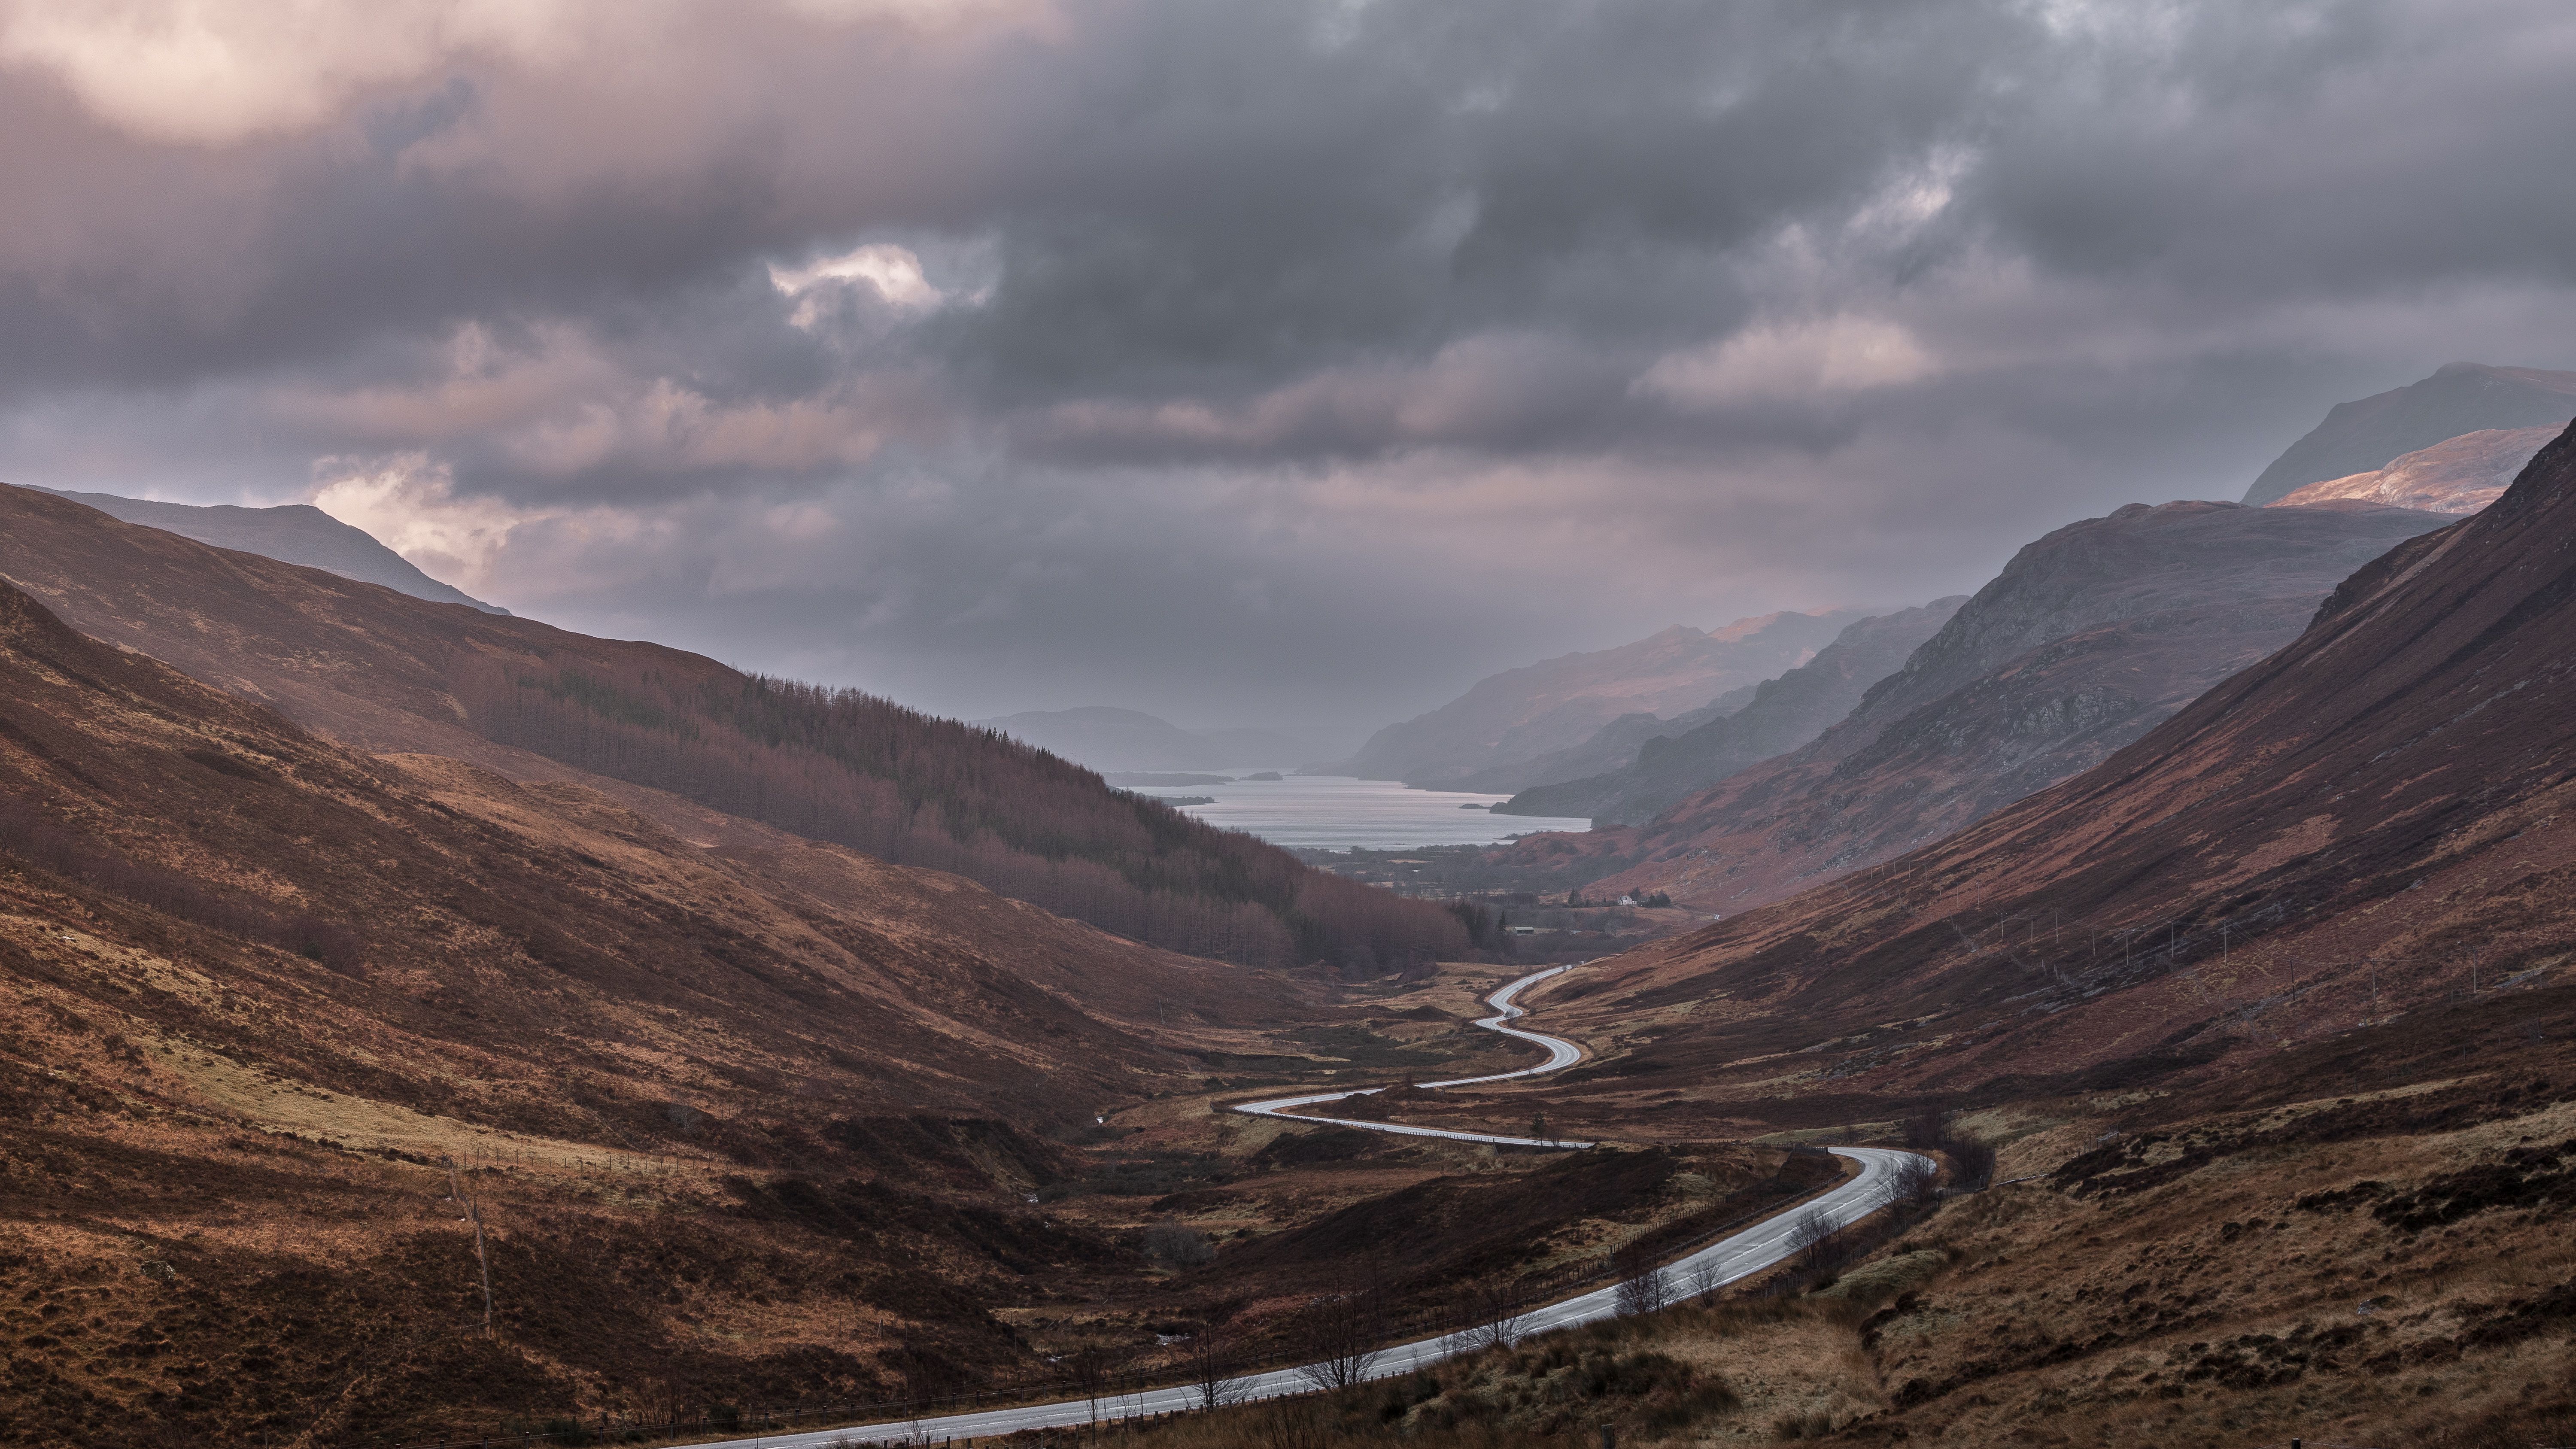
751, 1121
2273, 1196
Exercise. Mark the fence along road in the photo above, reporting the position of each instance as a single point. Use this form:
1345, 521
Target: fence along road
1728, 1260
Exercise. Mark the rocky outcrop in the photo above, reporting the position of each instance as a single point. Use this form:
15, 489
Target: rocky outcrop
2459, 475
2464, 397
1514, 719
1783, 714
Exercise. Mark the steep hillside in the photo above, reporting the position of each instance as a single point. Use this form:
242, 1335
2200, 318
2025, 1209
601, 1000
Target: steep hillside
2367, 822
2089, 636
2461, 475
297, 533
732, 1120
1783, 714
2462, 397
1515, 717
385, 672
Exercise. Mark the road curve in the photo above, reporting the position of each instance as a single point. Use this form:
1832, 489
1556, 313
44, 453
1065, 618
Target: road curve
1560, 1055
1728, 1260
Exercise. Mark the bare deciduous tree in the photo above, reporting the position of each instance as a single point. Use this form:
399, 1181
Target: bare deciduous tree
1917, 1180
1339, 1334
1493, 1314
1811, 1239
1706, 1280
1215, 1363
1642, 1284
1089, 1366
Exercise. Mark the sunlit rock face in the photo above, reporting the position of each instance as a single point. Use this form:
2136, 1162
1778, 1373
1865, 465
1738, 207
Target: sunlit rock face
2371, 433
2461, 475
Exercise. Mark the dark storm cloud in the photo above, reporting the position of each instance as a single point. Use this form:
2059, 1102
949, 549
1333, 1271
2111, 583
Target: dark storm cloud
1238, 360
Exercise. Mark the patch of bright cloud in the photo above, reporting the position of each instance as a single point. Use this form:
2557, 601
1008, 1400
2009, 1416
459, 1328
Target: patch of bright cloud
894, 272
411, 506
1789, 362
216, 71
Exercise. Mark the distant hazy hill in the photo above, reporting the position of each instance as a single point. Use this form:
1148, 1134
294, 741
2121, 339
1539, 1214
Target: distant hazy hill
297, 533
2464, 397
1522, 716
1783, 714
1110, 739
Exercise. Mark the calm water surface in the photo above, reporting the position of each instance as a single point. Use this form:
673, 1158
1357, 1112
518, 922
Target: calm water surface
1334, 812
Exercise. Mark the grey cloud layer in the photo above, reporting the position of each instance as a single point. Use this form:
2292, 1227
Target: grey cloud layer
1262, 361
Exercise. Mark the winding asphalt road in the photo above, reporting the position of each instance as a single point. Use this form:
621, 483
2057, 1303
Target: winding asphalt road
1728, 1260
1560, 1055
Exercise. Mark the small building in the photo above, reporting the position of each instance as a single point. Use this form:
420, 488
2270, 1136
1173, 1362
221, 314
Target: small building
1627, 900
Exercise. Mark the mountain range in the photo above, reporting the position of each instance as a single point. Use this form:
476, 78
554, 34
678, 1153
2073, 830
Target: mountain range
2112, 625
1508, 731
2362, 823
2088, 637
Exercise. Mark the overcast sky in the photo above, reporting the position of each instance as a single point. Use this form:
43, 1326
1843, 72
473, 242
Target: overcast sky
1254, 362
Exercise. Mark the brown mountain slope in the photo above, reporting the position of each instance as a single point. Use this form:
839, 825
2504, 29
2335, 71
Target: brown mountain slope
2459, 475
2372, 818
1510, 719
2087, 637
382, 671
727, 1115
588, 962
